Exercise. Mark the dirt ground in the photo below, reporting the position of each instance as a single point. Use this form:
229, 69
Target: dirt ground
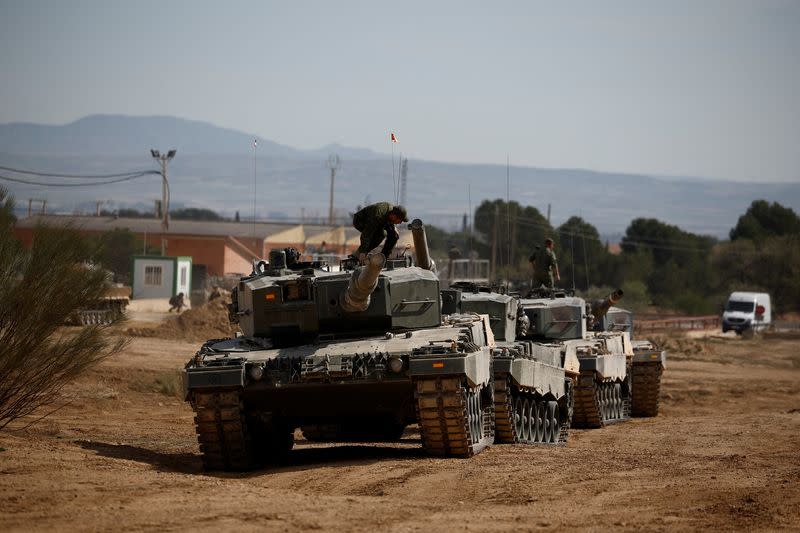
724, 454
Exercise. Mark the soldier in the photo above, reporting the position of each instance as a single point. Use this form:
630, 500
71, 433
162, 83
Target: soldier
545, 265
176, 303
215, 293
376, 222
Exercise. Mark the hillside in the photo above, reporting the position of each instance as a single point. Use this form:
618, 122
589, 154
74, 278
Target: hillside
214, 169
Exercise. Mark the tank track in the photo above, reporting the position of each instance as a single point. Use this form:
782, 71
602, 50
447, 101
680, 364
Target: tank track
514, 426
230, 440
454, 420
646, 389
598, 404
225, 443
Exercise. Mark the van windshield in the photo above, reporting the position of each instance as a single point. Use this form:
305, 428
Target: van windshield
743, 307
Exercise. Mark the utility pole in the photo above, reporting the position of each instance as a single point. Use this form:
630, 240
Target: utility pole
403, 180
42, 201
334, 164
163, 159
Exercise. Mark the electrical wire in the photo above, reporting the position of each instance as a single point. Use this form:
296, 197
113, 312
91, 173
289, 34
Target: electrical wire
88, 184
83, 176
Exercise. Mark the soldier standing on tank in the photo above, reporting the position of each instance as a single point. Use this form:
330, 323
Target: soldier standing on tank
545, 266
376, 222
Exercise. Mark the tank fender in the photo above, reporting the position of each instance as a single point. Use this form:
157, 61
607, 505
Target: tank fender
474, 366
650, 357
608, 367
214, 377
535, 375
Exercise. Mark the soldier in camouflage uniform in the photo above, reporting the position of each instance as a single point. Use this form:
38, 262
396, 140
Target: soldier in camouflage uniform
545, 266
376, 222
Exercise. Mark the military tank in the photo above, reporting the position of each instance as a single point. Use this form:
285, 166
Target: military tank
107, 308
533, 380
598, 362
648, 364
363, 350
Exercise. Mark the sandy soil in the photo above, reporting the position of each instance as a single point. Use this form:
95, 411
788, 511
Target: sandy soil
724, 454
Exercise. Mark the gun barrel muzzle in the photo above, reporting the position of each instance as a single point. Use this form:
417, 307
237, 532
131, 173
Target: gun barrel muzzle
424, 259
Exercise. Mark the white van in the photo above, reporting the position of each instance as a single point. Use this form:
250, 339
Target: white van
747, 310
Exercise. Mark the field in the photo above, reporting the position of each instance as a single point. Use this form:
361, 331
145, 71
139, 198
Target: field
122, 455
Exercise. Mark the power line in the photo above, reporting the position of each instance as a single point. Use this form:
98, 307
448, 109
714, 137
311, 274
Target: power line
127, 177
84, 176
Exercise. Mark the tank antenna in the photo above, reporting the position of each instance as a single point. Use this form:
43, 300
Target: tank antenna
572, 251
585, 260
392, 141
508, 215
255, 148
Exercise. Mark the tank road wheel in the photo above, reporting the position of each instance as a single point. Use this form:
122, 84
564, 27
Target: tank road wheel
527, 419
536, 421
454, 419
618, 401
550, 422
606, 409
520, 421
541, 422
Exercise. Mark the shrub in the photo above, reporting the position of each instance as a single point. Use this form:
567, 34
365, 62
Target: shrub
39, 288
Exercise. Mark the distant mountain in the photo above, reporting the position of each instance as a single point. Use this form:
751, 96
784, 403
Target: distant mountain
125, 135
214, 169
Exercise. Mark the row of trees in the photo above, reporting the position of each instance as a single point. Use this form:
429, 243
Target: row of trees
658, 264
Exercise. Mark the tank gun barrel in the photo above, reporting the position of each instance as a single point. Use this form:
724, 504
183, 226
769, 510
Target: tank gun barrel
356, 296
424, 259
601, 307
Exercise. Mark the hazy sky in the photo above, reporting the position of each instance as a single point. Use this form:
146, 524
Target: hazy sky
679, 88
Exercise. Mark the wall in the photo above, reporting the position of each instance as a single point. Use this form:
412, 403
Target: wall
140, 290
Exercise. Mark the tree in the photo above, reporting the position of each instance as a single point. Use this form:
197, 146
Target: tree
39, 289
195, 213
763, 220
773, 266
679, 272
113, 251
519, 230
582, 254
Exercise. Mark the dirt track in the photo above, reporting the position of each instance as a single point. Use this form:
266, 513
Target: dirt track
725, 453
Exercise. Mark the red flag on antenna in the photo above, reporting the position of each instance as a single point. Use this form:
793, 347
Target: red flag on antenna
394, 138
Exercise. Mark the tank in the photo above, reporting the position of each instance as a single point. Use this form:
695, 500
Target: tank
648, 364
358, 353
597, 362
106, 309
533, 378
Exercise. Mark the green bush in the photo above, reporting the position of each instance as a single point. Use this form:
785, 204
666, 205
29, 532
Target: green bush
40, 288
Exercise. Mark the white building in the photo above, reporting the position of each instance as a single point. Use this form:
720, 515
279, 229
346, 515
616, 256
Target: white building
160, 277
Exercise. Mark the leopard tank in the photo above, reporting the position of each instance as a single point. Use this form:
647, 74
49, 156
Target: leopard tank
356, 353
